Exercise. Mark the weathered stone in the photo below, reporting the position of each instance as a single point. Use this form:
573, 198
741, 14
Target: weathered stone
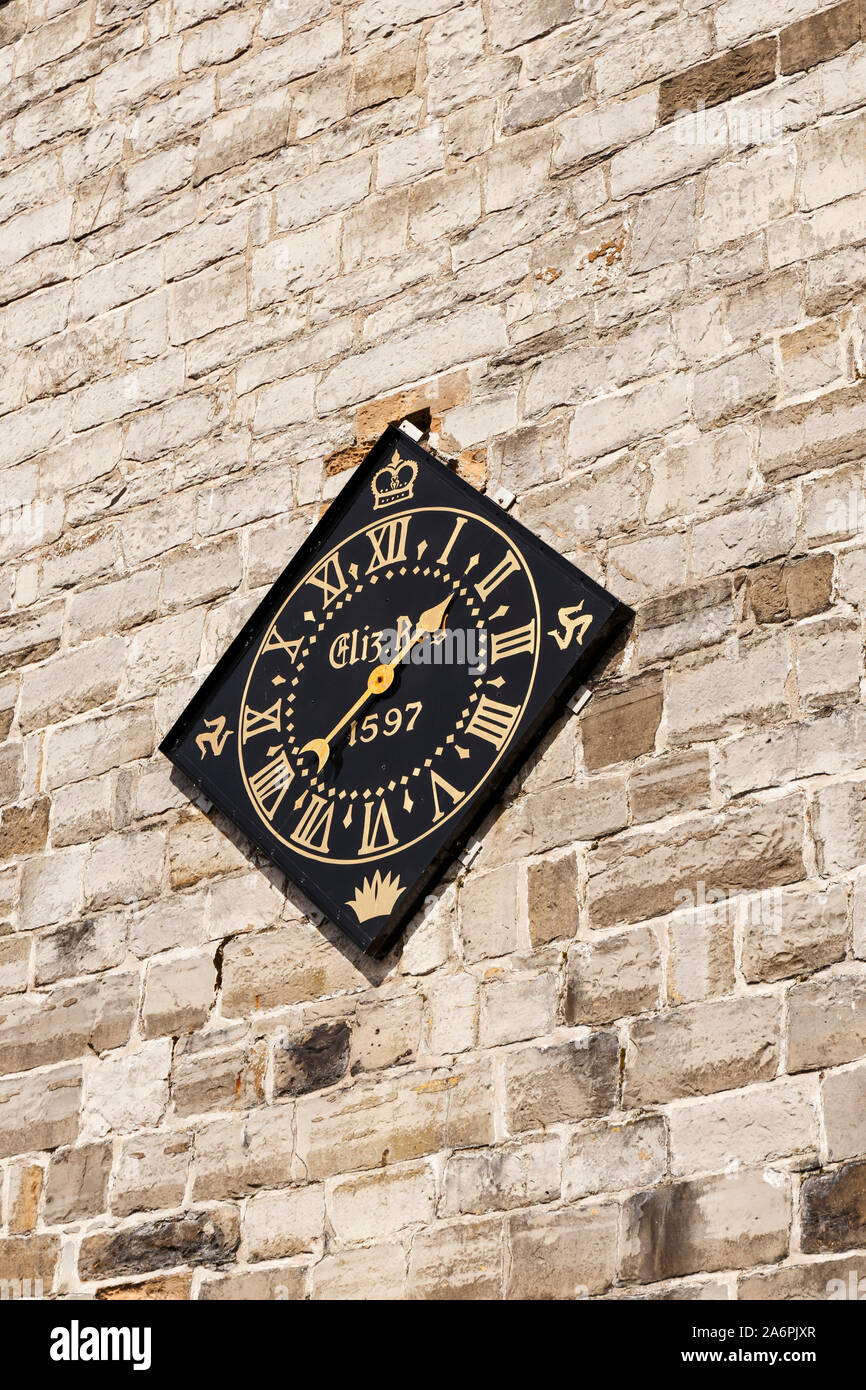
197, 1237
239, 1154
840, 828
556, 816
22, 1198
793, 933
24, 829
450, 1015
172, 1287
388, 1119
514, 1174
227, 1079
700, 957
701, 1048
383, 72
830, 429
66, 1022
819, 37
552, 889
376, 1205
151, 1171
77, 1183
834, 1210
792, 589
827, 664
708, 1224
612, 976
563, 1254
488, 914
843, 1093
289, 966
584, 139
801, 749
312, 1060
552, 1082
386, 1033
277, 1281
664, 228
620, 725
456, 1261
377, 1271
29, 1258
85, 750
237, 136
641, 874
290, 1222
746, 1128
542, 101
11, 770
826, 1021
516, 1008
817, 1279
603, 1158
41, 1111
178, 994
84, 947
738, 71
127, 1091
125, 868
675, 782
15, 954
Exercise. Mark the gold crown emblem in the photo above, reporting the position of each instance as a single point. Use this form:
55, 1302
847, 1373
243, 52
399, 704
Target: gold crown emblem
376, 898
394, 482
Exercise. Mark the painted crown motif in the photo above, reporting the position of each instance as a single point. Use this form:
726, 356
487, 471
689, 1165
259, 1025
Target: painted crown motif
376, 897
394, 482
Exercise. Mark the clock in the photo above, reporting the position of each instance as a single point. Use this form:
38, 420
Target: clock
389, 685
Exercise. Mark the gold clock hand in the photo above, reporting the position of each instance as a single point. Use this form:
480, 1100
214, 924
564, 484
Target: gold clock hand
430, 621
379, 680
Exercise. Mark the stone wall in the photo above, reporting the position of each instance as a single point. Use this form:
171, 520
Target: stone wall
622, 1054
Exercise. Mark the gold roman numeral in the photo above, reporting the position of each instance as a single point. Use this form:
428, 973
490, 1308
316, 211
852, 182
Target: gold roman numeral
256, 722
314, 828
270, 784
493, 721
509, 565
274, 642
389, 543
520, 639
329, 578
458, 527
438, 783
376, 826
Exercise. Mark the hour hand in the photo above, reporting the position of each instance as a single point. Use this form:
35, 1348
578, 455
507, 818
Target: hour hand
378, 681
322, 750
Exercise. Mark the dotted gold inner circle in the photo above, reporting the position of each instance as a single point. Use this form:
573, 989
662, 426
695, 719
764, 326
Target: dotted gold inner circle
459, 586
379, 680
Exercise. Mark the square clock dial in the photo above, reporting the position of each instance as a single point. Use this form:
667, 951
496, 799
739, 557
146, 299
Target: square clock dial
387, 688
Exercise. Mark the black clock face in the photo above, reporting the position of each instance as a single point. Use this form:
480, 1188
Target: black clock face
344, 772
364, 719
